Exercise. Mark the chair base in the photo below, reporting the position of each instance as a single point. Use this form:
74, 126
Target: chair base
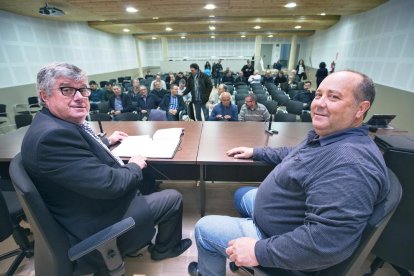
17, 261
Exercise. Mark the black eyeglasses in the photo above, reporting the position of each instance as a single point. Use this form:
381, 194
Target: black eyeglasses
71, 91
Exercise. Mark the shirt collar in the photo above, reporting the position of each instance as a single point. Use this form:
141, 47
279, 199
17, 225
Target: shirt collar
337, 136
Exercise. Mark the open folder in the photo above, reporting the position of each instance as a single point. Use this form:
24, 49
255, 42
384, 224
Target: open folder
163, 144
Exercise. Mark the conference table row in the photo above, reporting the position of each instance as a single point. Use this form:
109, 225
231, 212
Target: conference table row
201, 155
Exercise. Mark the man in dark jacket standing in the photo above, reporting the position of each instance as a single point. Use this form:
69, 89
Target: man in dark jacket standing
199, 84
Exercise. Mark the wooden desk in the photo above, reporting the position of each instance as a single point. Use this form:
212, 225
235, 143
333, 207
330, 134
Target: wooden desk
219, 137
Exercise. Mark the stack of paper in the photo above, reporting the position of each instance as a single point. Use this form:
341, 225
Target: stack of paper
163, 144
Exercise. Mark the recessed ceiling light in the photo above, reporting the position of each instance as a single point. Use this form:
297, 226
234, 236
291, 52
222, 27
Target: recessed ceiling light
212, 15
155, 18
257, 27
168, 29
131, 9
102, 20
209, 7
212, 36
298, 27
290, 5
323, 14
212, 28
243, 36
183, 37
126, 30
270, 35
153, 37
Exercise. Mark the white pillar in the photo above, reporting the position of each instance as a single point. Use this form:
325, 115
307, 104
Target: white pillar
164, 49
257, 52
139, 60
293, 49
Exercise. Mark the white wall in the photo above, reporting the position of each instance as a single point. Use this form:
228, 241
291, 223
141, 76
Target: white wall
378, 43
26, 44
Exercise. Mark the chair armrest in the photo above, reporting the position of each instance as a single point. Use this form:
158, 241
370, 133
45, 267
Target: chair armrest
105, 242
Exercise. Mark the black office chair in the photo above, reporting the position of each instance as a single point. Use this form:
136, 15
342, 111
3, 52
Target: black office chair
11, 214
376, 224
240, 96
102, 84
22, 120
261, 98
95, 116
306, 117
294, 107
396, 244
239, 104
281, 98
103, 107
53, 255
3, 114
121, 79
271, 106
281, 116
293, 92
127, 116
34, 105
157, 115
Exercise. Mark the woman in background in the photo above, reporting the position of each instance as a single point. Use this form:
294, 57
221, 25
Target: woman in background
321, 73
301, 70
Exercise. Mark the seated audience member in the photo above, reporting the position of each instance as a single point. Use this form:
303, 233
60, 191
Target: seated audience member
148, 75
170, 80
119, 102
292, 81
280, 78
277, 65
293, 76
159, 91
133, 92
227, 78
108, 93
180, 76
255, 78
86, 187
253, 111
267, 78
310, 211
96, 95
225, 110
181, 89
305, 96
215, 97
173, 104
146, 102
240, 78
158, 79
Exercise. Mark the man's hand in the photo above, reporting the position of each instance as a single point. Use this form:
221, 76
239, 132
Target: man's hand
116, 137
241, 251
139, 160
241, 153
219, 117
143, 111
227, 117
173, 111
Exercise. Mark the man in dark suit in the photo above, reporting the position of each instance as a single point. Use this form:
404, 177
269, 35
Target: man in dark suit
305, 96
119, 102
146, 102
173, 104
199, 84
158, 90
83, 184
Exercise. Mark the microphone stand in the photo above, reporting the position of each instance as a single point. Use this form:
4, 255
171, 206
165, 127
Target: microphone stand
269, 130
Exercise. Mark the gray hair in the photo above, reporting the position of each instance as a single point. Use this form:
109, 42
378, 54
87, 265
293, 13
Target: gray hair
47, 76
225, 94
142, 86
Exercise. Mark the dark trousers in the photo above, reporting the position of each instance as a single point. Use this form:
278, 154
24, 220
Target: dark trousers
167, 209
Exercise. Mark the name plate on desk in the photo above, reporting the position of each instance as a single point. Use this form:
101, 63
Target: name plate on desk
163, 144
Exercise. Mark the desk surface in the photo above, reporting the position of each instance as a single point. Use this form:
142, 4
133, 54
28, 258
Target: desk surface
218, 137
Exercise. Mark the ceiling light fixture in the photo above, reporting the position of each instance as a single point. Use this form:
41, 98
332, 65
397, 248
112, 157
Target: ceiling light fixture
298, 27
126, 30
270, 35
257, 27
51, 11
212, 28
211, 16
242, 36
183, 37
131, 9
210, 7
290, 5
168, 29
323, 14
153, 37
155, 18
212, 36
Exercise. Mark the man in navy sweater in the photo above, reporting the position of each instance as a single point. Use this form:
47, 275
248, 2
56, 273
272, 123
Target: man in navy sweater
310, 211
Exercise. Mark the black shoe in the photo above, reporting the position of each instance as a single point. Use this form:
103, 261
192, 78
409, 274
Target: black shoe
193, 269
171, 253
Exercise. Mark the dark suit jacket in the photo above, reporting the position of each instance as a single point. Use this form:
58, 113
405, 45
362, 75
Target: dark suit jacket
126, 103
205, 87
165, 104
152, 102
83, 186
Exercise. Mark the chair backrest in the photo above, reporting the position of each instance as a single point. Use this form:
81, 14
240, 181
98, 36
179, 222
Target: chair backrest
103, 107
22, 120
261, 98
51, 246
306, 117
281, 116
240, 96
3, 112
376, 224
157, 115
33, 101
281, 98
128, 116
294, 107
396, 244
21, 109
100, 117
271, 106
239, 104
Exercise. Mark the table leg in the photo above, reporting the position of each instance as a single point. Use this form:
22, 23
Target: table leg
202, 191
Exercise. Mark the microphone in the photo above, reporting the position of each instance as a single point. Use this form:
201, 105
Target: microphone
269, 130
102, 133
